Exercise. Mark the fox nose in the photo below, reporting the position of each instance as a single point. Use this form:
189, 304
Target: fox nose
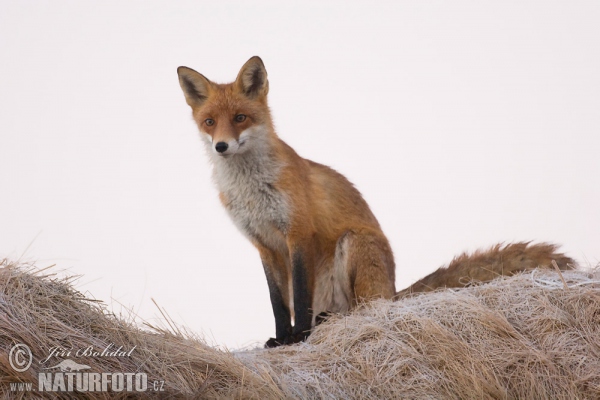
221, 147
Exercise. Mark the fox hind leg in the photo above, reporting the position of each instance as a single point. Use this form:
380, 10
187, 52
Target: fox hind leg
364, 267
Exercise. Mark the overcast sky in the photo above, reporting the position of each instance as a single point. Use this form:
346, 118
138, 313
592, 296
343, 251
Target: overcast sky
462, 123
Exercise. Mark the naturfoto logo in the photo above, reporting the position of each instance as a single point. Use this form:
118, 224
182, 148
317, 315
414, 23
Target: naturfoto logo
69, 366
64, 374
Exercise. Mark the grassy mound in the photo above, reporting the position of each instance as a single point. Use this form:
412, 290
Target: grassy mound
528, 336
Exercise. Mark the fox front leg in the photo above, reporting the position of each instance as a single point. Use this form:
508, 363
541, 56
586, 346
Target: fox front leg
281, 311
302, 287
276, 268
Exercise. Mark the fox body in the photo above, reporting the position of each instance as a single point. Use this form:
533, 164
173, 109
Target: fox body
321, 247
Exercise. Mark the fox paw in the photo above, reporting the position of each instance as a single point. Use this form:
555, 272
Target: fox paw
274, 342
296, 338
291, 339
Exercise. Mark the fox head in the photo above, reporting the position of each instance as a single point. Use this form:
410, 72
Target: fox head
234, 117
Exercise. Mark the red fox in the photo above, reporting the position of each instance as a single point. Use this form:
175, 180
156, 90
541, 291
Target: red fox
322, 249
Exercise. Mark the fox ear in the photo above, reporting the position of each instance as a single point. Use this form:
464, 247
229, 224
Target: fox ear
195, 86
252, 79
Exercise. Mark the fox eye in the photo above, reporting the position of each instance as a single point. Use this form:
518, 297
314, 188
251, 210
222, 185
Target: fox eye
240, 118
209, 121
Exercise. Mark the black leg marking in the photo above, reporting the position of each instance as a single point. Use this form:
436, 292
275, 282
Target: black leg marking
283, 321
302, 298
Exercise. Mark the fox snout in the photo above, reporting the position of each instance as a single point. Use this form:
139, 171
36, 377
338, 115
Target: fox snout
221, 147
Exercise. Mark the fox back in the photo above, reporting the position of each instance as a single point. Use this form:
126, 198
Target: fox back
321, 247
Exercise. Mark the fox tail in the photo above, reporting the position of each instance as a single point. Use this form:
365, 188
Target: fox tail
484, 266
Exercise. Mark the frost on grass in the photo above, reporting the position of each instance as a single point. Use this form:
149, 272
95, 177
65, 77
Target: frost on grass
521, 337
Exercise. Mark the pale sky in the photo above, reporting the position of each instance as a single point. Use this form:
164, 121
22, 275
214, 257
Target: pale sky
462, 123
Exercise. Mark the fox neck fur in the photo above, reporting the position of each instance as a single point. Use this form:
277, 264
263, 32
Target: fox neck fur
321, 247
246, 182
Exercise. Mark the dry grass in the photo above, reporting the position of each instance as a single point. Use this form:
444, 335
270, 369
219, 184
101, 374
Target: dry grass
520, 337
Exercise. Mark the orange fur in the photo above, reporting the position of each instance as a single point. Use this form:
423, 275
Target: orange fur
325, 248
321, 247
483, 266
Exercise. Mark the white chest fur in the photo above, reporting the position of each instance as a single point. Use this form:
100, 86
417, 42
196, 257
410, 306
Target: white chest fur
247, 180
